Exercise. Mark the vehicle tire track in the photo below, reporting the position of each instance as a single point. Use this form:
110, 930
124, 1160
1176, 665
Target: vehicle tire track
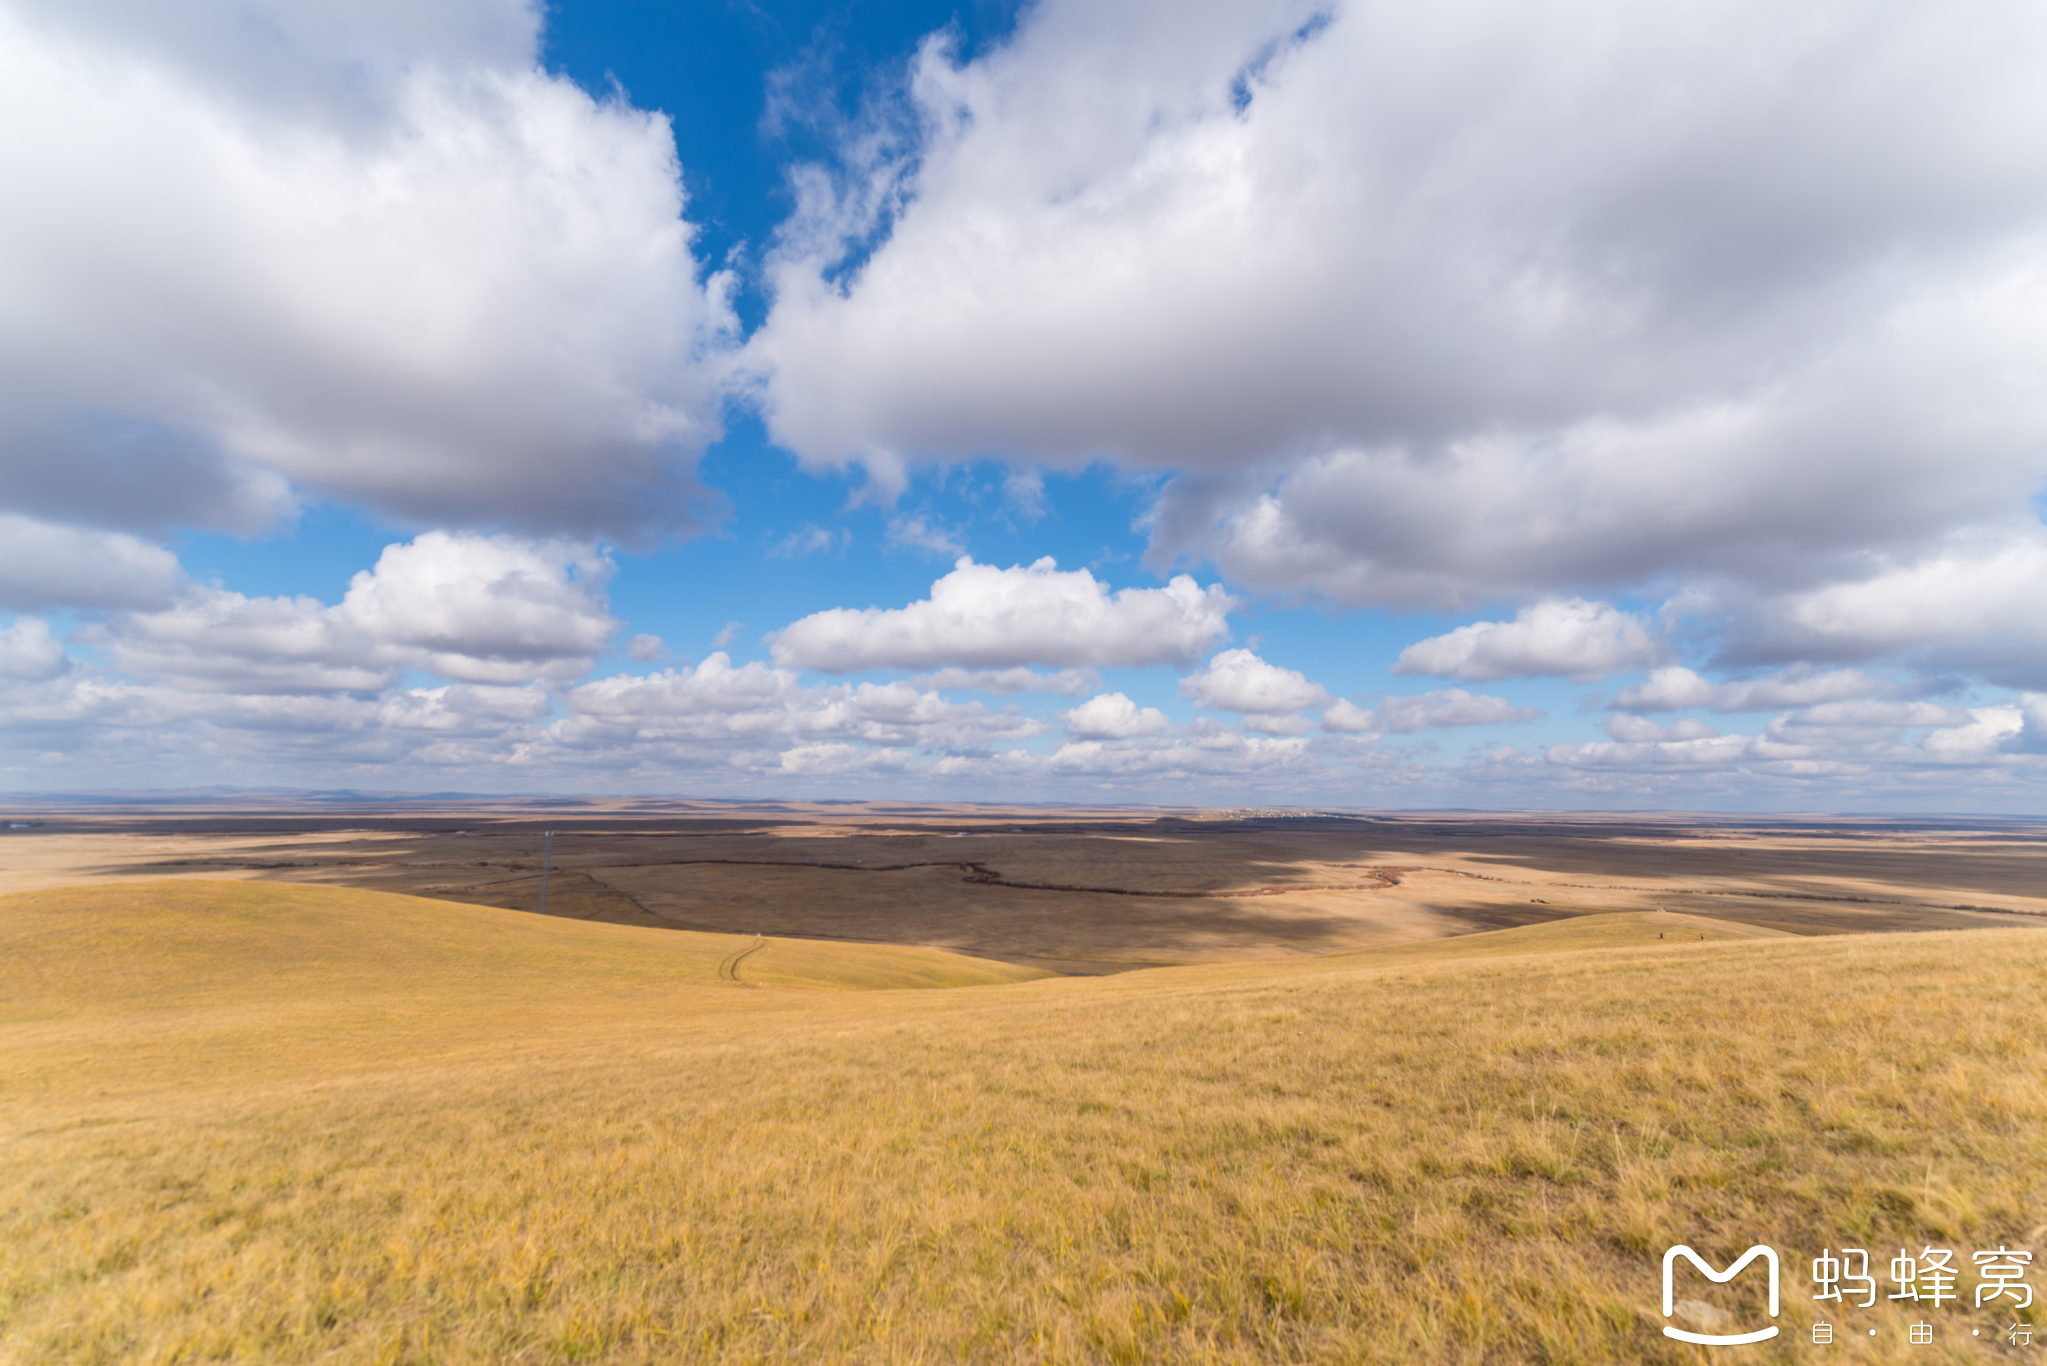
729, 969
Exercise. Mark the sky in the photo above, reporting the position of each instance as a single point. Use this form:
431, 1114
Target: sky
1479, 404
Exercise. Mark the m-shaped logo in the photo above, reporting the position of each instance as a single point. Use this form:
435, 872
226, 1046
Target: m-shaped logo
1670, 1257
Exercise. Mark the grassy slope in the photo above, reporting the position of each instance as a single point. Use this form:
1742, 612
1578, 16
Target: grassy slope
1615, 930
155, 940
368, 1128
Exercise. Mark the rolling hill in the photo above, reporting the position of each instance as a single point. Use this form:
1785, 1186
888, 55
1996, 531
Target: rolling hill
265, 1122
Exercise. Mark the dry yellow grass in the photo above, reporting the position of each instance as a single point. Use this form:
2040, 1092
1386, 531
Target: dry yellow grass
255, 1125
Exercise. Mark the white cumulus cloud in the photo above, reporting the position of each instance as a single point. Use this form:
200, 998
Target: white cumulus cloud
1112, 716
2032, 736
1345, 717
29, 651
487, 608
1640, 730
1238, 680
384, 257
475, 609
1450, 707
1578, 639
215, 640
1412, 317
1426, 711
46, 564
1988, 729
979, 616
1675, 688
1970, 604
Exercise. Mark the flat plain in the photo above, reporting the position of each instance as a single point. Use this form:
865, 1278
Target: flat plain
1073, 890
1075, 1086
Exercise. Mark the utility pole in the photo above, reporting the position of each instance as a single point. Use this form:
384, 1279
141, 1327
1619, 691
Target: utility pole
546, 857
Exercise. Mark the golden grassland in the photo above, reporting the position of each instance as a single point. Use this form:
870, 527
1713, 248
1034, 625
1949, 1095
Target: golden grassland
267, 1123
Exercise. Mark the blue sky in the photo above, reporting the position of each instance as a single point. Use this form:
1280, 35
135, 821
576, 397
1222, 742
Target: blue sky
1250, 403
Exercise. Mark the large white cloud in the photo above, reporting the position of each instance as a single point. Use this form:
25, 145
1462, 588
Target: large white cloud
1238, 680
369, 252
979, 616
483, 608
1572, 637
1345, 717
213, 639
475, 609
2032, 736
47, 564
1450, 707
1430, 306
1971, 604
1113, 716
1881, 452
327, 58
29, 651
1675, 688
